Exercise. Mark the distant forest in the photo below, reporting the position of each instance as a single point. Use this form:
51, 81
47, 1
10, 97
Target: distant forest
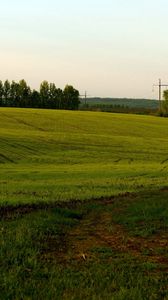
19, 94
120, 105
123, 102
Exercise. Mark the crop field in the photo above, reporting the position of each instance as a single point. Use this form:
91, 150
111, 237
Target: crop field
83, 205
58, 155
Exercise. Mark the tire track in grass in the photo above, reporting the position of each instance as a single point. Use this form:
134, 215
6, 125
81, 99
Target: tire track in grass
97, 232
20, 121
164, 161
4, 158
92, 234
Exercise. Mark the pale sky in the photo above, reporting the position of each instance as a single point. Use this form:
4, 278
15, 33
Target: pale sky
109, 48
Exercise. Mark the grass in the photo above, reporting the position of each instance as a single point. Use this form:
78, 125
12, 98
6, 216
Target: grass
147, 215
48, 155
111, 246
72, 252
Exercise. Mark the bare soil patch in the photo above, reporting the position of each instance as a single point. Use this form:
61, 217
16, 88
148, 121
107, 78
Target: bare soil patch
99, 231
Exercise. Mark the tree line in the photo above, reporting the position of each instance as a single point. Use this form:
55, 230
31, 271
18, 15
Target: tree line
19, 94
164, 108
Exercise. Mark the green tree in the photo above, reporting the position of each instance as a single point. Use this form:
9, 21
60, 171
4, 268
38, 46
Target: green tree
19, 94
60, 99
165, 103
7, 93
53, 96
1, 93
44, 93
14, 94
71, 97
24, 93
35, 100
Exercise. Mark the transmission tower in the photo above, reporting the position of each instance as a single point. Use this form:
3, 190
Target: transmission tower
160, 85
85, 96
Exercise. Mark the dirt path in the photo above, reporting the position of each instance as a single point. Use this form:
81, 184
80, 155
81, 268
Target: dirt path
102, 232
98, 231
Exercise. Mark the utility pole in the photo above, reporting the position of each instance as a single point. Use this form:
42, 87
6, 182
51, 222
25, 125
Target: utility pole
85, 96
160, 85
160, 93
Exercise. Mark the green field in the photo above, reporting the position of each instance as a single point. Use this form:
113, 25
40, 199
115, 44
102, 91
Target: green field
59, 155
113, 244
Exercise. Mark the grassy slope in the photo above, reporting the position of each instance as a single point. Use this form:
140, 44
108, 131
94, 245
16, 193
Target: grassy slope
59, 155
102, 249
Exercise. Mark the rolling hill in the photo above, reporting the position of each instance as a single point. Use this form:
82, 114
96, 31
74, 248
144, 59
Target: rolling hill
49, 155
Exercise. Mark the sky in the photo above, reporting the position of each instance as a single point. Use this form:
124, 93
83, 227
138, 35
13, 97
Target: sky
108, 48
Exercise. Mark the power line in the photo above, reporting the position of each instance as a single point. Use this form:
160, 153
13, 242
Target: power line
85, 96
160, 85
